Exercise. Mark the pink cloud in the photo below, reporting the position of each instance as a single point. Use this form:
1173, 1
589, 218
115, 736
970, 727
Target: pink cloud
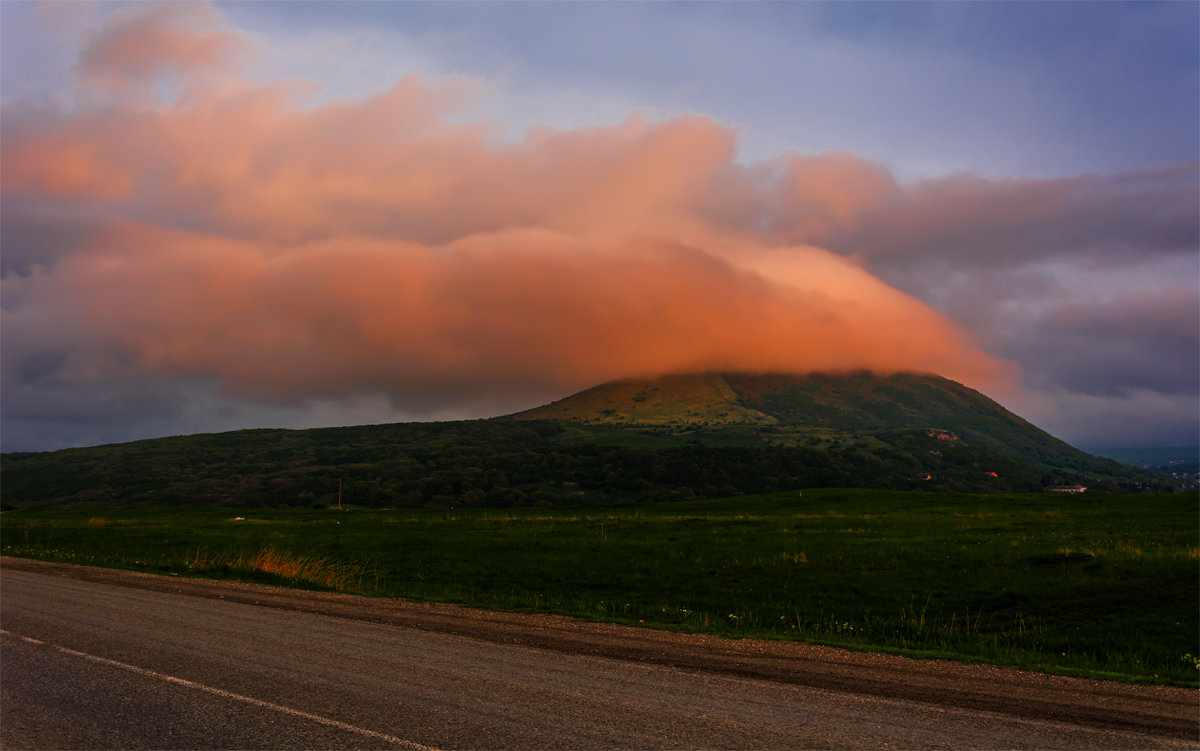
527, 306
294, 251
145, 41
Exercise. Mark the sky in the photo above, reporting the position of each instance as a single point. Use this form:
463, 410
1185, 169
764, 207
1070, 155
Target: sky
235, 215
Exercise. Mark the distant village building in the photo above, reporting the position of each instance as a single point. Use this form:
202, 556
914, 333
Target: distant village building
942, 435
924, 476
1066, 489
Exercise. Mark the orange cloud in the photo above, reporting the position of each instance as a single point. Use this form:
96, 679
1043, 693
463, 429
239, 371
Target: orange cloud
527, 307
825, 193
294, 251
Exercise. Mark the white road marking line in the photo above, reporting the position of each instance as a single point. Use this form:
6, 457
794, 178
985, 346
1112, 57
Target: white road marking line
227, 694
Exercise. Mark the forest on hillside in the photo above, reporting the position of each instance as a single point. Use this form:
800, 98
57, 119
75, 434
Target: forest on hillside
498, 463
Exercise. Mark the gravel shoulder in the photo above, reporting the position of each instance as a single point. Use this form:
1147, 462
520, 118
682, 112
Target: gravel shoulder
1168, 712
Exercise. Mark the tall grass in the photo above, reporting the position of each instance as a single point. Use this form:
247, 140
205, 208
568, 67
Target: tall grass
342, 577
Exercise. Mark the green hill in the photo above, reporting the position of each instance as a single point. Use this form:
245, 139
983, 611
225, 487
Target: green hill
677, 438
845, 403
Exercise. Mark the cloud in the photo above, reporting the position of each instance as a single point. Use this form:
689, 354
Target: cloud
855, 207
433, 325
995, 223
288, 248
295, 251
1136, 418
142, 43
1139, 341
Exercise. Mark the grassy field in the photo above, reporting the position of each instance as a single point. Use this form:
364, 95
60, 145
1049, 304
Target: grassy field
1099, 585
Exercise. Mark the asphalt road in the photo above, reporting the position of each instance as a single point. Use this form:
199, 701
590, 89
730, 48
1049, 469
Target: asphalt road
93, 658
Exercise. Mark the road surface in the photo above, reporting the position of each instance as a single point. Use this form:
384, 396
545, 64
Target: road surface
96, 658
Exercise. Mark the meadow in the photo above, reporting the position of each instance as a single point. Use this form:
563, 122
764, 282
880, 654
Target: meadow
1099, 585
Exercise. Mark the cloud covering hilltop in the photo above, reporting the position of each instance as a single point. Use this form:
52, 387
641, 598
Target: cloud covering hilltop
177, 232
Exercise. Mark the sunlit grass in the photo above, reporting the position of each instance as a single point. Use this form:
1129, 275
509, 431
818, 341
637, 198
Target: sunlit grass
322, 572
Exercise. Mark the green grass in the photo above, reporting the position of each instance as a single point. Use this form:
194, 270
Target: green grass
1105, 586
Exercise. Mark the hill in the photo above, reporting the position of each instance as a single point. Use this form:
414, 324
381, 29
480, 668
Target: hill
678, 438
850, 404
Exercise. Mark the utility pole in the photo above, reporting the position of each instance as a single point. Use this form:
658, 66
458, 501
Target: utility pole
339, 494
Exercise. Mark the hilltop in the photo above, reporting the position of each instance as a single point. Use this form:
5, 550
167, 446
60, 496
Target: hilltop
690, 400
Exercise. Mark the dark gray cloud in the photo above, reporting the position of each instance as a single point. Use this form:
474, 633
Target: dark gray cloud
1138, 420
1138, 342
855, 207
35, 234
43, 410
997, 223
